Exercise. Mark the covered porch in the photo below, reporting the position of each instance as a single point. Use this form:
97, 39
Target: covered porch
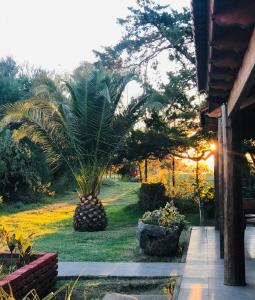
225, 55
203, 274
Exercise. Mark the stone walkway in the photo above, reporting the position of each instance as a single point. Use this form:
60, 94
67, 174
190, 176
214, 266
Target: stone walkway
202, 278
122, 269
202, 274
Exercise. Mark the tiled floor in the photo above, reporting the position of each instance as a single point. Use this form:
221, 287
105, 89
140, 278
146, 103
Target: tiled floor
203, 271
202, 274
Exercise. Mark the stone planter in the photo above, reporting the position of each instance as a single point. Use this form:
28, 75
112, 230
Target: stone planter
157, 240
40, 274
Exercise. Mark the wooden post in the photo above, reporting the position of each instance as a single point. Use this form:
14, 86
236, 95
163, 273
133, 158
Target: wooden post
221, 187
216, 187
234, 260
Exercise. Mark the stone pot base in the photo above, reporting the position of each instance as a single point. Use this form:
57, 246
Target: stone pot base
157, 240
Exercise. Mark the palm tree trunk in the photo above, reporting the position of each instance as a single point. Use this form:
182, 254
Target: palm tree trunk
89, 215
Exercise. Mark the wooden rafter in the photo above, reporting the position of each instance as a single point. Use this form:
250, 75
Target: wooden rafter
228, 60
222, 74
248, 101
218, 93
245, 78
221, 85
235, 41
240, 13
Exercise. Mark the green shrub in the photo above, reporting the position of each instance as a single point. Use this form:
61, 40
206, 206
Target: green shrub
108, 182
152, 196
20, 176
185, 203
168, 216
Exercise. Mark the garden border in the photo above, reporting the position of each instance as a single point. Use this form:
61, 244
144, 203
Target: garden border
40, 274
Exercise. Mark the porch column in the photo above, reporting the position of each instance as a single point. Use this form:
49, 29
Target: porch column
234, 259
216, 187
220, 187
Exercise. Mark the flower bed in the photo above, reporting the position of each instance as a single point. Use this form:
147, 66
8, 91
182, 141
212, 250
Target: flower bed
159, 231
40, 274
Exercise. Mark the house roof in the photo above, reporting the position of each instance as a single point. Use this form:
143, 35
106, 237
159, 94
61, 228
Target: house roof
222, 33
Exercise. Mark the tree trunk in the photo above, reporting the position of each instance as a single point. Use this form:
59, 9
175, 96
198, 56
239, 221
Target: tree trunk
201, 206
146, 170
173, 170
140, 172
197, 173
89, 215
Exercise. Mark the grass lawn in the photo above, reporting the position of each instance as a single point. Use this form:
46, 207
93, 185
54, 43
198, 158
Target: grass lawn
50, 220
93, 289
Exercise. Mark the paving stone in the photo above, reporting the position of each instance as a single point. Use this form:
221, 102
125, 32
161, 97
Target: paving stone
134, 297
204, 271
202, 274
132, 269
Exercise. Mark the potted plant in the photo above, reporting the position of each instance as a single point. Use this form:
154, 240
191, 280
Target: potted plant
159, 231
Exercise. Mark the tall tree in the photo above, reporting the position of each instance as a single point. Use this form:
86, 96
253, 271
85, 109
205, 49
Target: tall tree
151, 29
17, 82
82, 132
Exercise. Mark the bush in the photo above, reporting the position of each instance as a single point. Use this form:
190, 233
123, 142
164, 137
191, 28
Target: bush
168, 216
108, 182
185, 203
152, 196
20, 170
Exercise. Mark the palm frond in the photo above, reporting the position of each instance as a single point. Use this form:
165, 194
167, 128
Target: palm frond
84, 131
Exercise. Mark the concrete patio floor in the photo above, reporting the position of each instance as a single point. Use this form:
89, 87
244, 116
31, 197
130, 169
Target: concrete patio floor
202, 274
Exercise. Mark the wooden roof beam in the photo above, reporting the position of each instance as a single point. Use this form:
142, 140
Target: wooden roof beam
247, 102
218, 93
235, 41
222, 74
221, 85
245, 78
239, 13
226, 61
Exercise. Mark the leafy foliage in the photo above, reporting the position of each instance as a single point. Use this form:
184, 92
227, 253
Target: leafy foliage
17, 242
152, 196
151, 29
17, 82
168, 216
84, 131
21, 174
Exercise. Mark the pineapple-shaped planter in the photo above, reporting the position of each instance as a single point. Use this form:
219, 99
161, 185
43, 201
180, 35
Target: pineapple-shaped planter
89, 215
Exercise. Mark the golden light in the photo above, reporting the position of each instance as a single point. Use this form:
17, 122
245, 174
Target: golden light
210, 162
213, 146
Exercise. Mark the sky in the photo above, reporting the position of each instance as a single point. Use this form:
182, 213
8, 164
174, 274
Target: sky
59, 34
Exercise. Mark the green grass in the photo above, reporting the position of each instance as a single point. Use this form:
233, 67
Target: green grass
50, 220
116, 243
97, 288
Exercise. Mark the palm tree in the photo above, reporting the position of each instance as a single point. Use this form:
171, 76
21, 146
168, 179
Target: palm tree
81, 128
